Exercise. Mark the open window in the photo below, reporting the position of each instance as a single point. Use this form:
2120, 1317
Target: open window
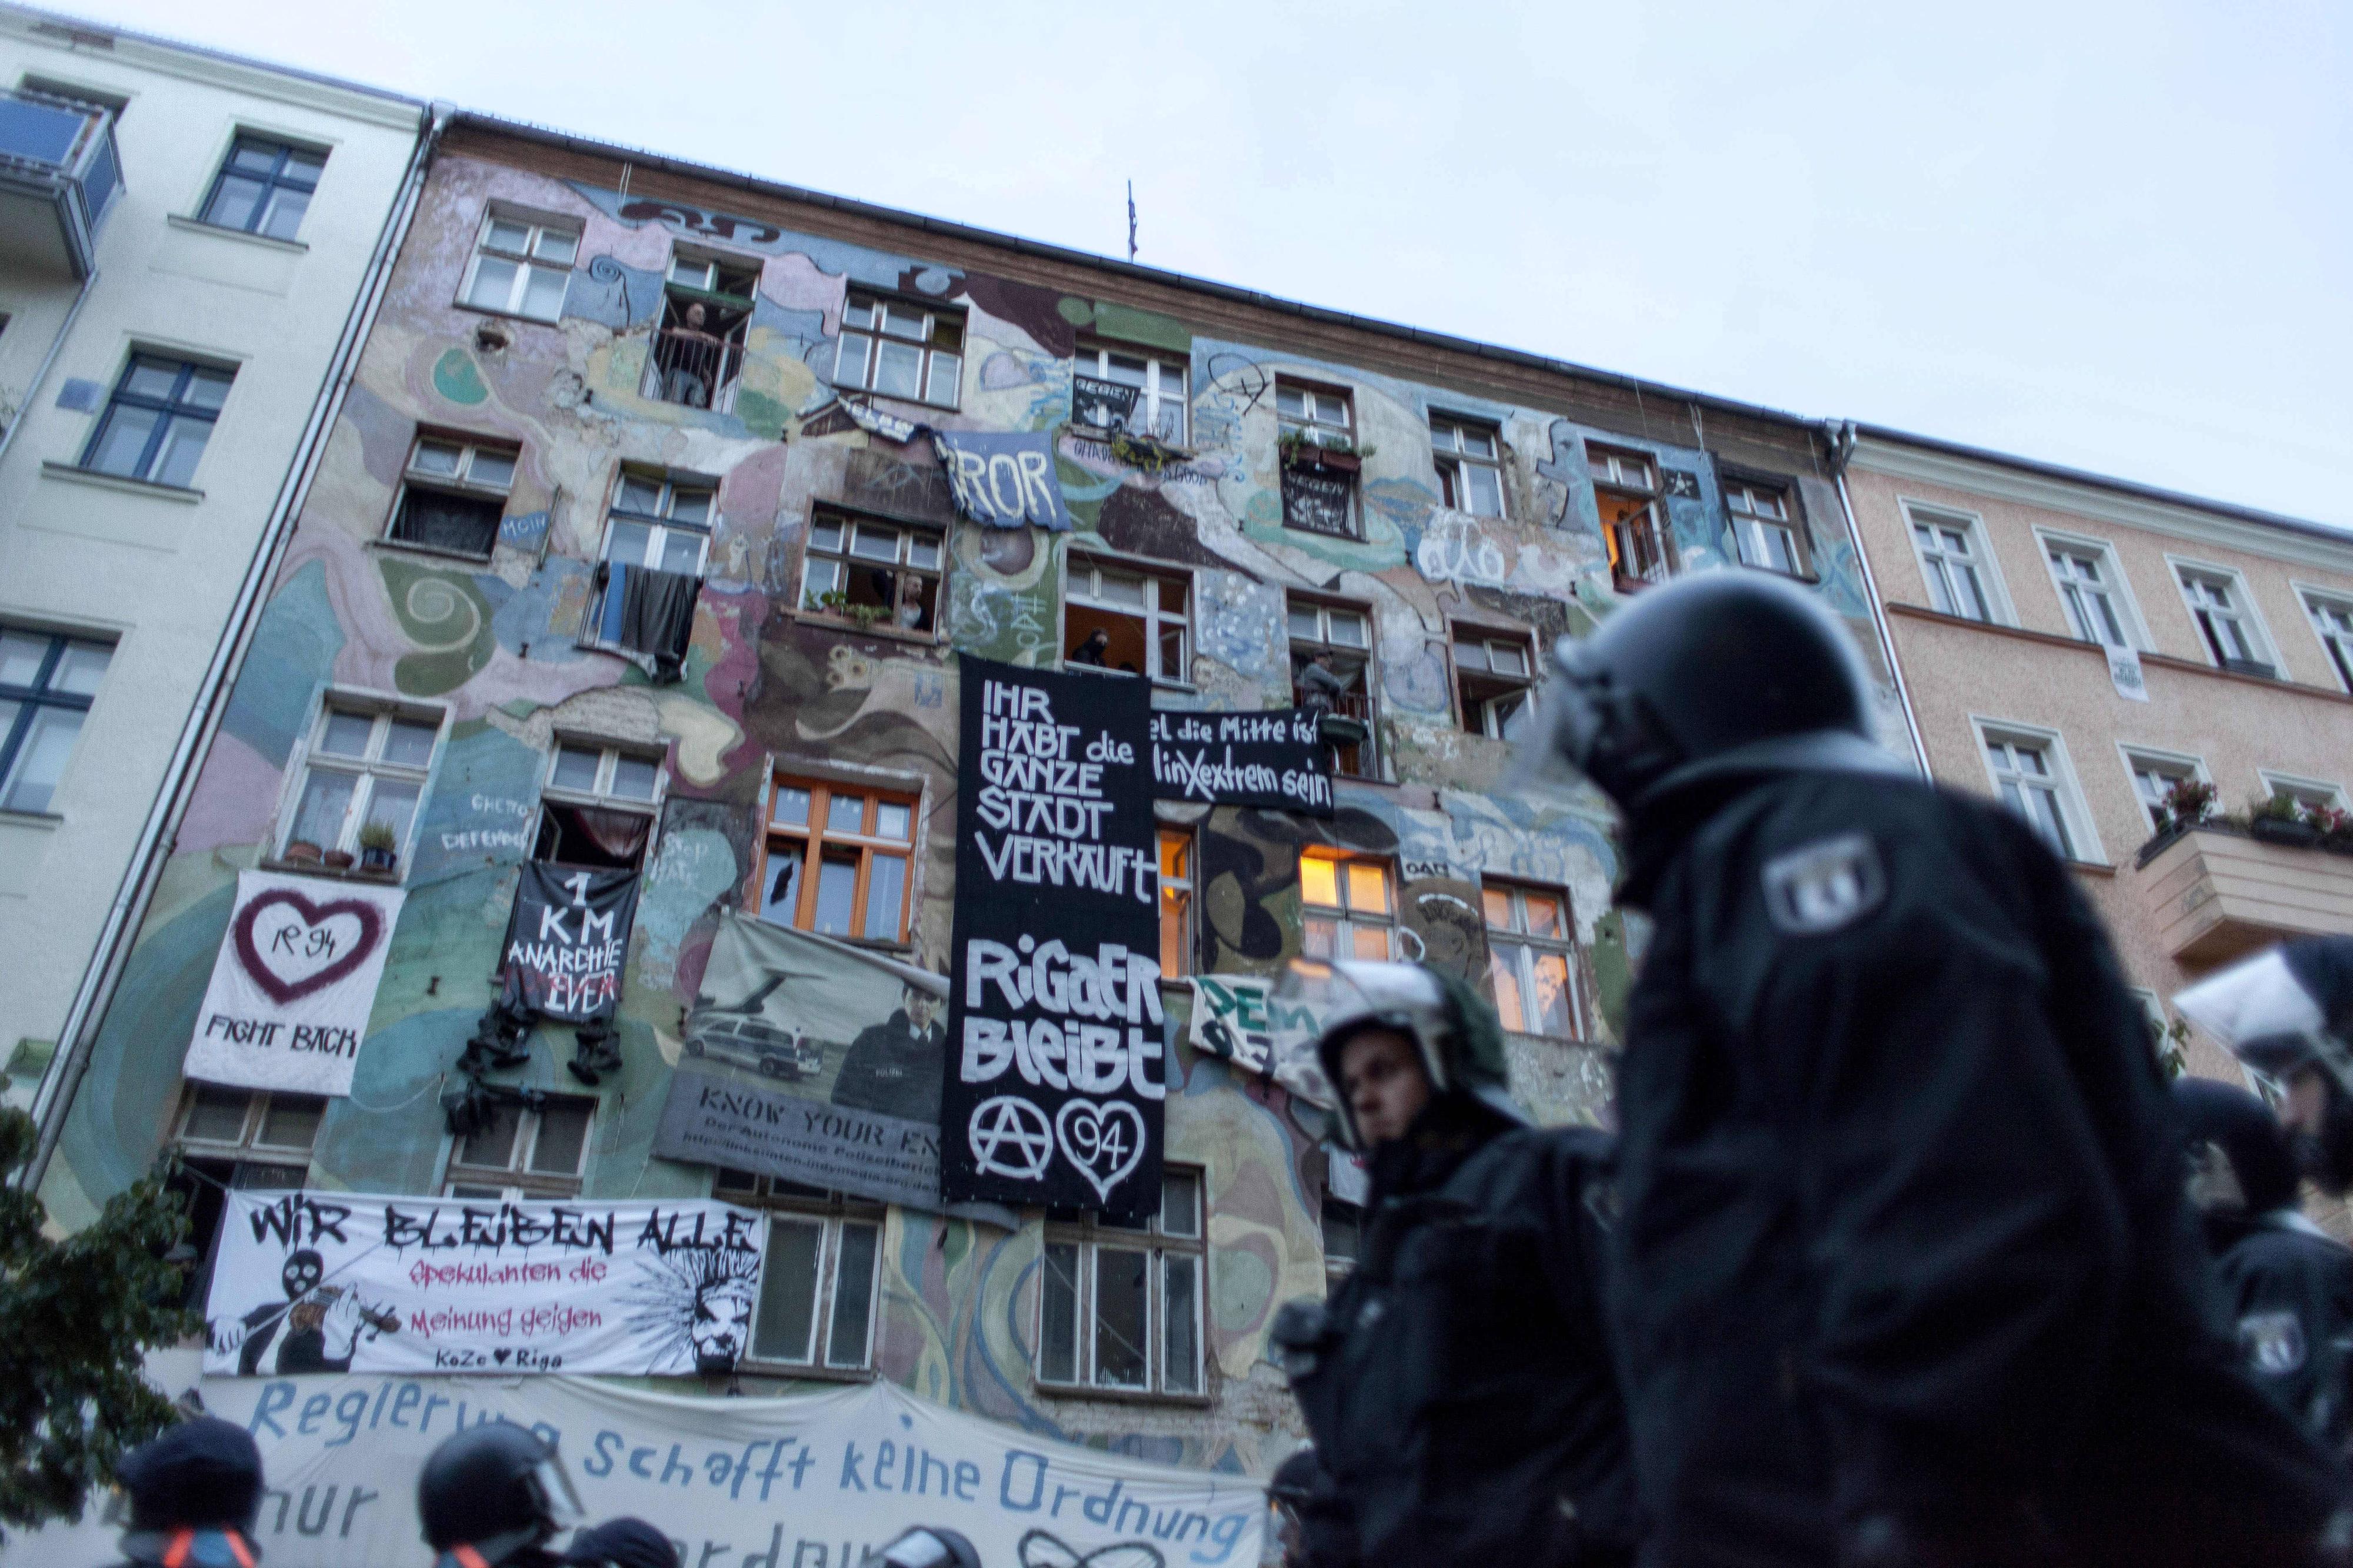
1124, 619
364, 771
868, 572
657, 536
1469, 455
698, 348
1332, 670
1765, 527
597, 806
454, 494
242, 1139
1494, 680
2217, 597
1633, 515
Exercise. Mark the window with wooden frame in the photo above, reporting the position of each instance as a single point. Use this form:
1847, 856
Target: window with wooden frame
1120, 1305
1176, 929
1316, 451
820, 1274
1495, 679
535, 1150
522, 266
1145, 617
454, 494
1349, 906
867, 573
836, 860
1332, 670
1135, 390
239, 1139
1532, 958
1633, 515
1470, 459
365, 764
597, 804
900, 349
697, 354
1765, 527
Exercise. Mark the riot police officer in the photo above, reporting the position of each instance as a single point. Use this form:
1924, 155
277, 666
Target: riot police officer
2288, 1013
2287, 1285
194, 1493
1311, 1520
622, 1542
1458, 1383
1905, 1273
495, 1494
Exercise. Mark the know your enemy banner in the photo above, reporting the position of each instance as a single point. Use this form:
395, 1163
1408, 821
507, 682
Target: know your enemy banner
1056, 1067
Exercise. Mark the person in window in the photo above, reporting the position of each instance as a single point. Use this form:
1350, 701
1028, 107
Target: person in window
893, 1068
1093, 649
2287, 1285
1904, 1272
1321, 686
1458, 1383
690, 355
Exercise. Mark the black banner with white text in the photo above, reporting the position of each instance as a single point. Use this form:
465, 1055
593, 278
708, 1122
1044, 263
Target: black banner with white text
1273, 760
567, 942
1056, 1070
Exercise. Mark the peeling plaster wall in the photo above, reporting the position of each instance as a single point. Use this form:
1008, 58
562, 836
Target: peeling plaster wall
768, 685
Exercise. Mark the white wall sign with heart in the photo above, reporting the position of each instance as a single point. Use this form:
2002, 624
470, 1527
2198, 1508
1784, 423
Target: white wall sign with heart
1104, 1139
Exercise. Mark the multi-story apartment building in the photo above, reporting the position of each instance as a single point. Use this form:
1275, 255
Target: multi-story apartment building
2080, 647
629, 551
184, 238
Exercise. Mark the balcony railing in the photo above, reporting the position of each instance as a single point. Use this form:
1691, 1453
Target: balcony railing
2218, 892
1356, 757
698, 370
59, 173
1641, 551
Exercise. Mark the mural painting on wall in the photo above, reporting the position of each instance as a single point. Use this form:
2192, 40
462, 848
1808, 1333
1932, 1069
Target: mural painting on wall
1058, 1074
567, 938
336, 1282
1003, 479
1274, 759
293, 983
812, 1060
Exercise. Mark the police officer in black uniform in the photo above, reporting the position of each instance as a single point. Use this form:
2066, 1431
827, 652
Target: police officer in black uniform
1458, 1383
1905, 1273
2287, 1285
493, 1495
194, 1493
1313, 1526
2288, 1011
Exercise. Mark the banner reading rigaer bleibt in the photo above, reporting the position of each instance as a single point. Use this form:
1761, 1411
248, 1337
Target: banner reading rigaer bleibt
1055, 1066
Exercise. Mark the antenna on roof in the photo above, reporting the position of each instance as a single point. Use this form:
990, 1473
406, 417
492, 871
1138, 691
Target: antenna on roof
1131, 220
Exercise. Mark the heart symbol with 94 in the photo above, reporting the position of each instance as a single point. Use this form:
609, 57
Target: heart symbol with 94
292, 947
1104, 1140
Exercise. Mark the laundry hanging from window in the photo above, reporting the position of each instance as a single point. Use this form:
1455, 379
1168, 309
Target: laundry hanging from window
648, 613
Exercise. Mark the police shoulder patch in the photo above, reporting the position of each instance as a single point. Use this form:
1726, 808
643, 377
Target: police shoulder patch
2272, 1342
1824, 885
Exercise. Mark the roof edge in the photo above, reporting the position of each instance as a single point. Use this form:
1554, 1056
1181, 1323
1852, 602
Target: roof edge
38, 17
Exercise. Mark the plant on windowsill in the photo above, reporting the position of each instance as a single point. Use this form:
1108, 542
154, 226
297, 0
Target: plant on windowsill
836, 602
2282, 819
1299, 449
1146, 453
379, 848
300, 852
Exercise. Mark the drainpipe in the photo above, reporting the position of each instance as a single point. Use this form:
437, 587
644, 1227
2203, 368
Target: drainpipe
137, 890
1840, 434
41, 376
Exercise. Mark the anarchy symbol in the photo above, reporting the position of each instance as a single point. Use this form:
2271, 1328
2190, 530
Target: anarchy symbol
1010, 1120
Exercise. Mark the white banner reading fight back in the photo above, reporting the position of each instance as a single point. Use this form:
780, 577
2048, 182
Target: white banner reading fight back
293, 983
808, 1482
336, 1282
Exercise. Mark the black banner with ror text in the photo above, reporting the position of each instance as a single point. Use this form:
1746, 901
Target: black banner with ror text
1056, 1068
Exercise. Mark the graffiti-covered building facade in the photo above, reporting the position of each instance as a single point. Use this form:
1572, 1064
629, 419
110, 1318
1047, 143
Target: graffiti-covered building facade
619, 662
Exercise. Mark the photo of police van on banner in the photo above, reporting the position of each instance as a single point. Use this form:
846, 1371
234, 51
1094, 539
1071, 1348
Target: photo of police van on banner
1057, 1060
337, 1282
293, 983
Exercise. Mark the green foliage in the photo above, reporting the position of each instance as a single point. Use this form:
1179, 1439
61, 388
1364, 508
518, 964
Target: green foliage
76, 1317
377, 833
836, 602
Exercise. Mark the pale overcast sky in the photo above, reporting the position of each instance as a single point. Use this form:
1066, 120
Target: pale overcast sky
2115, 237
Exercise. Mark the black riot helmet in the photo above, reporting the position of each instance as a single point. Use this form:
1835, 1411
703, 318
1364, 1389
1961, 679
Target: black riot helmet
201, 1474
926, 1546
1712, 675
490, 1491
2240, 1163
2287, 1010
623, 1543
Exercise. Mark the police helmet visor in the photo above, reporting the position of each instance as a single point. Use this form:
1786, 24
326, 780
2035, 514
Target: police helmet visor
2265, 1015
557, 1495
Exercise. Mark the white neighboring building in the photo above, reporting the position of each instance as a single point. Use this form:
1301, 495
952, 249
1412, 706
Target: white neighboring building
187, 241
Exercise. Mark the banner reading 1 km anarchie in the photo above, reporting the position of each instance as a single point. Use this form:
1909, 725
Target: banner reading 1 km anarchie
1056, 1070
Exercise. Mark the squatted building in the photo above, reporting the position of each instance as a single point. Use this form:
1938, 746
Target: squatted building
772, 699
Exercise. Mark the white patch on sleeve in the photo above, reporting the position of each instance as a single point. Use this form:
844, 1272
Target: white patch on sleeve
2272, 1342
1824, 885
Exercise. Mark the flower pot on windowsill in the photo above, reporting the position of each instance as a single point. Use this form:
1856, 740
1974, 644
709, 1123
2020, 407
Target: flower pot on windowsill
301, 852
1339, 730
2285, 830
377, 862
1309, 456
336, 859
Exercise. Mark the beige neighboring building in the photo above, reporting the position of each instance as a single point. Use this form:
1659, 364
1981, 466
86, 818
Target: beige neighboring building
2007, 583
